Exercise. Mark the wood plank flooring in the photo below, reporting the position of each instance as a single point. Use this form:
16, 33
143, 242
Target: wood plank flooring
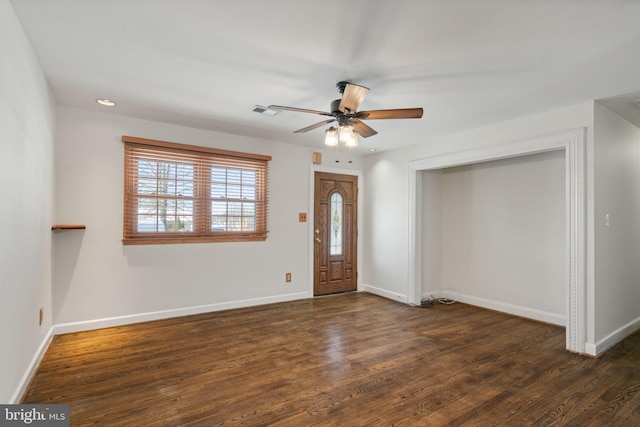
353, 359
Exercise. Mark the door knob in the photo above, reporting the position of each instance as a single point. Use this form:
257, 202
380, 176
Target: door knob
317, 239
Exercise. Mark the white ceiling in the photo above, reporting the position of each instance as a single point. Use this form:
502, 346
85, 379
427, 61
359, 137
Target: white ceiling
206, 63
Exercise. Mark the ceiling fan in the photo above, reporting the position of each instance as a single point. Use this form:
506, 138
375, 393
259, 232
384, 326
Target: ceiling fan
344, 112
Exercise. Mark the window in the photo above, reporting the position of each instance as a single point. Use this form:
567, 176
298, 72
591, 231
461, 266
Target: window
175, 193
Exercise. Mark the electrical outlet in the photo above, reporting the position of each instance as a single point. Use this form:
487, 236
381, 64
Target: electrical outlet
302, 217
41, 314
287, 277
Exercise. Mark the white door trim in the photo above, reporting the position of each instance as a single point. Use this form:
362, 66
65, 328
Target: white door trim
311, 218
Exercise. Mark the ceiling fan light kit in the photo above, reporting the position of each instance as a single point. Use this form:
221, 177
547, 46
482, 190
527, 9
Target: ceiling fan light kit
331, 137
348, 136
344, 111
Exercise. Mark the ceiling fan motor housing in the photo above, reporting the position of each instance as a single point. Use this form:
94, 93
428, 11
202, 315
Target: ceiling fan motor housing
335, 108
343, 118
341, 86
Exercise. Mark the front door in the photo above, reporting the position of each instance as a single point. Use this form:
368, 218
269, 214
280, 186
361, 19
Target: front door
335, 233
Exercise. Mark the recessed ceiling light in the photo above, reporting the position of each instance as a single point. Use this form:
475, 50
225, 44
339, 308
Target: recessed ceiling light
373, 150
106, 102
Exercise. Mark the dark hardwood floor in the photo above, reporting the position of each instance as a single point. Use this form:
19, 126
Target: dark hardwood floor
353, 359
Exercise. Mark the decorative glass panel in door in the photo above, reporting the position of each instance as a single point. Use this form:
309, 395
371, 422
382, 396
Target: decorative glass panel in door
335, 239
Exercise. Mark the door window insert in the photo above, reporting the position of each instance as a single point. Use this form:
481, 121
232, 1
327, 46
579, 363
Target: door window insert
335, 239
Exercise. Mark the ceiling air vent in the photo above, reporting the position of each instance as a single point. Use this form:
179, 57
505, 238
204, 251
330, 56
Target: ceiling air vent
265, 110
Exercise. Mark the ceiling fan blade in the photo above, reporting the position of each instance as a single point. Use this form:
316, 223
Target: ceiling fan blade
300, 110
398, 113
363, 129
315, 126
352, 97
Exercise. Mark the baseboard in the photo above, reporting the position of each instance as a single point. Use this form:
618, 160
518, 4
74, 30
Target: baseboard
590, 349
431, 295
165, 314
517, 310
612, 339
385, 293
530, 313
64, 328
31, 369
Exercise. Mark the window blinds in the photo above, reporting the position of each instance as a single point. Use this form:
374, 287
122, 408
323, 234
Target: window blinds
183, 193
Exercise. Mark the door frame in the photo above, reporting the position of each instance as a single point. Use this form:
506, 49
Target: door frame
573, 142
311, 220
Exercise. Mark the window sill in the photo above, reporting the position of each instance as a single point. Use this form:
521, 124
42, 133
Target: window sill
182, 240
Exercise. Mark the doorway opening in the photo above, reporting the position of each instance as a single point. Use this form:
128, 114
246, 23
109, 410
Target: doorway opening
572, 142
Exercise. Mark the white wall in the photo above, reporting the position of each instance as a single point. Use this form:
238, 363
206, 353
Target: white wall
503, 234
387, 203
432, 238
617, 260
26, 178
98, 279
385, 246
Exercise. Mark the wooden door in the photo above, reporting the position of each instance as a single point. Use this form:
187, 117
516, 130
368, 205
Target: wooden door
335, 233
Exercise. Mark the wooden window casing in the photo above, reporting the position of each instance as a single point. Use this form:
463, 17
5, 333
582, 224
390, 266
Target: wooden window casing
176, 193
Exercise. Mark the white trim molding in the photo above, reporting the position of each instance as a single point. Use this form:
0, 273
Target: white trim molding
65, 328
385, 293
613, 338
31, 369
516, 310
573, 143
